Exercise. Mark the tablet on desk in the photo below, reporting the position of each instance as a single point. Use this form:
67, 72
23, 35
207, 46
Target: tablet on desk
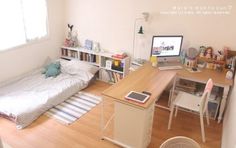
137, 97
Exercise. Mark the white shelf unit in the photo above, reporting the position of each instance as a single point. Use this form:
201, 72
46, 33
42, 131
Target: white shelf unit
117, 70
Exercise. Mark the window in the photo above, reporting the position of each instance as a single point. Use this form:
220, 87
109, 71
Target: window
22, 21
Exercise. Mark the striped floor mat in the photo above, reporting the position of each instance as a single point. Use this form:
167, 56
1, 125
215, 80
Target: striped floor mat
74, 107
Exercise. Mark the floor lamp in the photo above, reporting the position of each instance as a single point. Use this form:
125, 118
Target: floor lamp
145, 16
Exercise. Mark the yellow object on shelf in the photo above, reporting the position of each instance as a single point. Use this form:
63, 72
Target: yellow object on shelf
116, 62
154, 61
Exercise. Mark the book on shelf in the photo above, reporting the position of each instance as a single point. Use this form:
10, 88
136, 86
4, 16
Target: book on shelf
120, 55
69, 53
97, 59
111, 79
89, 57
114, 76
64, 52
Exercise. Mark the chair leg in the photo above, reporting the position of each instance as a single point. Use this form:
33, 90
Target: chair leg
207, 117
202, 127
176, 111
171, 115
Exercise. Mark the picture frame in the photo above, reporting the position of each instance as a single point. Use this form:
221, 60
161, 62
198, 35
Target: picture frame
88, 44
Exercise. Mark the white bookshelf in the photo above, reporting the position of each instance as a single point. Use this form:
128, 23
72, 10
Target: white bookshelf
110, 74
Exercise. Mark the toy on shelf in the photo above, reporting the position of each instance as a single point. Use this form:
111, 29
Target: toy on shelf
226, 51
191, 57
219, 56
202, 51
229, 58
72, 37
229, 75
212, 61
209, 52
190, 62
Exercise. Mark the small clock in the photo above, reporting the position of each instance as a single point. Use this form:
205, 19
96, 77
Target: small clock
192, 53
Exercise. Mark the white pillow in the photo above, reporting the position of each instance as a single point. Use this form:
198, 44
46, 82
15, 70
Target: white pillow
85, 66
74, 67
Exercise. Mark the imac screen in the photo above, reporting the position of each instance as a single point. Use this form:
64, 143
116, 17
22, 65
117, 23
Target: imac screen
166, 46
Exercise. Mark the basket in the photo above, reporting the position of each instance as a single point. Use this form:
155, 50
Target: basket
180, 142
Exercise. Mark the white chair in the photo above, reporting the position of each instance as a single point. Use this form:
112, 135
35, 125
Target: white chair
194, 103
180, 142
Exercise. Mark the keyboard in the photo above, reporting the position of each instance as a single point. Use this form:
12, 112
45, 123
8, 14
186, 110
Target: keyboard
170, 67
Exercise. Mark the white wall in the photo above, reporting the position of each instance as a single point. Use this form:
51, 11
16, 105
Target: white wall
20, 60
111, 22
229, 123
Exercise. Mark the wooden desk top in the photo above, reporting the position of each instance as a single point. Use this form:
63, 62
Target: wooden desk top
217, 77
146, 78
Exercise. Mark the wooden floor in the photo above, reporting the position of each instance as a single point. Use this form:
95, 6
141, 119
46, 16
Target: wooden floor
85, 132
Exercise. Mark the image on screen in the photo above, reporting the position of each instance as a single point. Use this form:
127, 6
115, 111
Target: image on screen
166, 46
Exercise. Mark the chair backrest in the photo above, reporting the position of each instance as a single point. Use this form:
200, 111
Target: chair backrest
180, 142
206, 95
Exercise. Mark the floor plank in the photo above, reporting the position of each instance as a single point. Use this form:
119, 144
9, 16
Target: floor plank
85, 132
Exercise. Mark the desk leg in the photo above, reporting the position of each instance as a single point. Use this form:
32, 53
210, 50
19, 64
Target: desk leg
223, 103
172, 92
102, 118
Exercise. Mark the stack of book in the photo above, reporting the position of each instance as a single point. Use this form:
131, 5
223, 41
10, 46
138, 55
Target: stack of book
64, 52
114, 76
69, 53
120, 55
88, 57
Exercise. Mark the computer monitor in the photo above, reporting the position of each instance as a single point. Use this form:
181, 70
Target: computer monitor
166, 48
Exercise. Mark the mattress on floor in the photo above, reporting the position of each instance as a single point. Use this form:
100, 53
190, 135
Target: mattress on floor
26, 99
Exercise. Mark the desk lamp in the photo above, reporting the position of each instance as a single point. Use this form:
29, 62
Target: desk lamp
145, 16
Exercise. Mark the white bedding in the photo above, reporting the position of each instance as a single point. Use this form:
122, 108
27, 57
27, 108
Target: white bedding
26, 99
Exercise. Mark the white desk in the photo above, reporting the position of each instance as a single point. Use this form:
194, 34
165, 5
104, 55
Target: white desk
133, 121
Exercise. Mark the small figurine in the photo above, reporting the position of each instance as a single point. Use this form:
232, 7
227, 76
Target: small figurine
209, 51
71, 39
220, 56
202, 51
70, 27
226, 51
229, 75
74, 39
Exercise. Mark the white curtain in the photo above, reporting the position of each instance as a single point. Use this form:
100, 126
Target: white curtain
22, 21
35, 18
